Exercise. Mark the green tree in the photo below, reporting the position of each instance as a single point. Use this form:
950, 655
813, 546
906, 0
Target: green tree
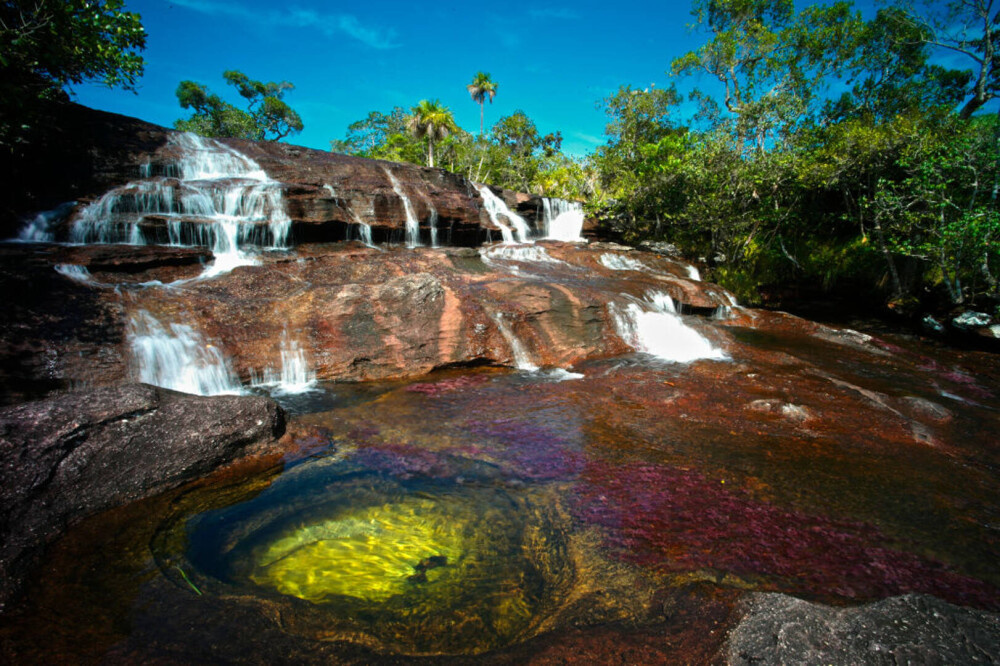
891, 73
944, 210
48, 44
969, 28
639, 174
770, 61
365, 137
431, 121
267, 116
482, 86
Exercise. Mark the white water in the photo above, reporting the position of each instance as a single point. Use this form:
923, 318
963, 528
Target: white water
654, 327
412, 223
693, 273
617, 262
521, 358
179, 358
76, 273
562, 220
294, 376
495, 207
518, 253
433, 221
222, 200
40, 228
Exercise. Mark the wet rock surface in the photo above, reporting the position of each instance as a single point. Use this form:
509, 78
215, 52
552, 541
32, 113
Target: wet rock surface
73, 455
359, 313
326, 194
911, 629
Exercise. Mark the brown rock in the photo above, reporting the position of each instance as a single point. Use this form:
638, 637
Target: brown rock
73, 455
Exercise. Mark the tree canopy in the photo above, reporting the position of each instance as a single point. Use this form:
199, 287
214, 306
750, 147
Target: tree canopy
46, 45
481, 88
432, 121
267, 116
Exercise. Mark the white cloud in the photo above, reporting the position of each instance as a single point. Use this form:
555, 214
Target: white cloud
332, 25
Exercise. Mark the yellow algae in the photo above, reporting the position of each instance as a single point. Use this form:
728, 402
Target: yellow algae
373, 554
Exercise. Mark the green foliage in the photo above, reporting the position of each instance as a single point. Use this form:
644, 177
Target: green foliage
431, 121
481, 88
942, 210
771, 62
48, 44
884, 188
267, 116
641, 167
515, 155
366, 137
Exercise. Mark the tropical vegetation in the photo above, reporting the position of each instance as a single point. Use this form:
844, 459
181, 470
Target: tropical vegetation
267, 116
481, 88
887, 187
47, 45
430, 121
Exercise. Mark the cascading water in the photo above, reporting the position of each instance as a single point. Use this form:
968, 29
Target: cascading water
617, 262
40, 228
562, 220
654, 327
412, 223
495, 207
219, 199
521, 358
526, 254
76, 273
433, 221
294, 376
178, 358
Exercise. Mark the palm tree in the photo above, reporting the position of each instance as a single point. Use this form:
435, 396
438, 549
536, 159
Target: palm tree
482, 86
431, 120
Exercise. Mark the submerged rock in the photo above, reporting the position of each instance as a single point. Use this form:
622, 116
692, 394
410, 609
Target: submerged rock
911, 629
73, 455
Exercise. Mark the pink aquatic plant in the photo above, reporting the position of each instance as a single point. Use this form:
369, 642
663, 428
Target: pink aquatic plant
436, 389
530, 451
675, 519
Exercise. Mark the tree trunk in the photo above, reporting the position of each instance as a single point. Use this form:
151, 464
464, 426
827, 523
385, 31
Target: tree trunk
897, 287
482, 107
430, 153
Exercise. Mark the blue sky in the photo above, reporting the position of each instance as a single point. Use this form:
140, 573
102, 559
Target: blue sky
553, 61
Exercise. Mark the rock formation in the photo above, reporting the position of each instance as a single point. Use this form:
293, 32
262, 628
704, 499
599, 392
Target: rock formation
73, 455
326, 193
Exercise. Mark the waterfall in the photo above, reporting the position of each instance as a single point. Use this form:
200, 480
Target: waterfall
654, 327
364, 231
412, 223
294, 375
617, 262
77, 273
40, 228
562, 220
495, 207
433, 222
693, 273
525, 254
179, 359
221, 199
521, 358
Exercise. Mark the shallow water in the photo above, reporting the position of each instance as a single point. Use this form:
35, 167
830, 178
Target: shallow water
499, 513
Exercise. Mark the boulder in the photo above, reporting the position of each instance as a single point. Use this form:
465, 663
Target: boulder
910, 629
73, 455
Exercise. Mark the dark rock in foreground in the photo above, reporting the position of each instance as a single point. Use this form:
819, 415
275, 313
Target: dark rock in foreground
74, 455
911, 629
